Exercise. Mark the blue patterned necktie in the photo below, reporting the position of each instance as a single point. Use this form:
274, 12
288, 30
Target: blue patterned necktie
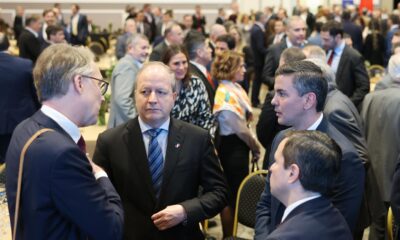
155, 158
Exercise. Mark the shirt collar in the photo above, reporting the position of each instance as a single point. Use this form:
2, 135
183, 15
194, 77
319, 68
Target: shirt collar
200, 67
339, 48
32, 31
66, 124
294, 205
144, 127
316, 123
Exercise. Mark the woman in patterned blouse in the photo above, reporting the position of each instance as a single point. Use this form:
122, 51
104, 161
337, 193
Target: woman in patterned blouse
233, 111
192, 104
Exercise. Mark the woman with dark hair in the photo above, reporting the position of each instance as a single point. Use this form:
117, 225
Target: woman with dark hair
192, 104
233, 111
374, 46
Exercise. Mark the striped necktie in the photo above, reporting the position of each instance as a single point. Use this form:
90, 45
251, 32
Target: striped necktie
155, 158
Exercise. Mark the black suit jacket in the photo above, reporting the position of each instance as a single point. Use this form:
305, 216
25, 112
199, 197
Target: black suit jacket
347, 191
61, 199
272, 62
29, 45
190, 162
257, 43
355, 33
210, 90
395, 194
83, 30
313, 220
351, 76
158, 51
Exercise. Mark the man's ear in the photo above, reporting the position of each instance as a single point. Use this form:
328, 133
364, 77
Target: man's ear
77, 84
294, 173
310, 100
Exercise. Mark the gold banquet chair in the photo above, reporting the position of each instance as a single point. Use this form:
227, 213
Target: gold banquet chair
389, 225
375, 73
247, 198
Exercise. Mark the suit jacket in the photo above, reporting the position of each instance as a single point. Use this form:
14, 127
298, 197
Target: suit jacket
395, 195
351, 76
18, 99
272, 62
158, 51
210, 90
190, 162
60, 198
122, 104
315, 219
344, 116
120, 47
18, 26
346, 195
257, 41
355, 33
83, 30
29, 45
146, 30
381, 121
199, 23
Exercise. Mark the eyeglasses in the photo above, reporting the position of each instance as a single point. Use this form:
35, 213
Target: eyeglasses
103, 84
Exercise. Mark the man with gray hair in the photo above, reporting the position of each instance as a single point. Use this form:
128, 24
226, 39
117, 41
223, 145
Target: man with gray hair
122, 106
173, 34
156, 154
381, 116
64, 195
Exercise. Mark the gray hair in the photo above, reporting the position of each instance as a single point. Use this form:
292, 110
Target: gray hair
156, 65
193, 44
394, 68
134, 38
313, 51
327, 71
57, 66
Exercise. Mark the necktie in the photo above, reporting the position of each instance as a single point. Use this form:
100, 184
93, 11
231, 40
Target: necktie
209, 78
331, 58
155, 158
82, 144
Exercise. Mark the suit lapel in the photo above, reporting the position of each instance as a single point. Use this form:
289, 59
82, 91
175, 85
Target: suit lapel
342, 64
174, 146
138, 157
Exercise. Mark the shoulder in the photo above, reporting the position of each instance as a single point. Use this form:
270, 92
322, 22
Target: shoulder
117, 132
189, 129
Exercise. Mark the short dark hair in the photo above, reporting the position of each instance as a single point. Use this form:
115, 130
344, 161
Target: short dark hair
258, 15
394, 18
346, 15
292, 54
53, 30
31, 19
193, 44
307, 77
46, 11
173, 50
333, 27
228, 39
317, 156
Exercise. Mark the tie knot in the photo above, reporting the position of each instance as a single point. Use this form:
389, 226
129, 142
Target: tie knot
154, 132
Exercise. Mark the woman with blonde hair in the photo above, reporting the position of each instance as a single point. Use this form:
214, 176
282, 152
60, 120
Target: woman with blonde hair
233, 112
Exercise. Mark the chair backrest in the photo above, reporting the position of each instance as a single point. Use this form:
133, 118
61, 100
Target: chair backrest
389, 225
248, 196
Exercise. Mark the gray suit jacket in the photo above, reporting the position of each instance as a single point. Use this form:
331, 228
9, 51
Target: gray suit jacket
122, 105
381, 116
158, 51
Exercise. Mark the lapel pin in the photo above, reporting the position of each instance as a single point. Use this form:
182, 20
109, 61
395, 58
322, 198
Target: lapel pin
177, 145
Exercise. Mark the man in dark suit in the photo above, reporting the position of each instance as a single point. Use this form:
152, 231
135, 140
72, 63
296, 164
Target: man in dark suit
160, 163
18, 99
78, 26
200, 56
28, 41
221, 16
142, 26
353, 30
306, 164
173, 35
150, 19
64, 195
381, 121
351, 75
295, 36
120, 47
300, 93
19, 20
257, 42
199, 20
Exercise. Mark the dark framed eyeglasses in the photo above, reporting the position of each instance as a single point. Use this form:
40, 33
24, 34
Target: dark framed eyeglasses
103, 84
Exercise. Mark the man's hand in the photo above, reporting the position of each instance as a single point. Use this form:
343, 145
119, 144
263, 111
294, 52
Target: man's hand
169, 217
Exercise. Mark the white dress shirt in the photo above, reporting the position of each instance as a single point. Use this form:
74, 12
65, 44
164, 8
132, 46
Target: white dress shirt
294, 205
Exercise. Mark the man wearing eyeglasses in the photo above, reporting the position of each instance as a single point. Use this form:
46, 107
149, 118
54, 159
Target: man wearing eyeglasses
64, 194
122, 105
157, 164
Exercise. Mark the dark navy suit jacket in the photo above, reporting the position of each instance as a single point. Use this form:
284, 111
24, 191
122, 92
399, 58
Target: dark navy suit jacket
313, 220
60, 198
347, 191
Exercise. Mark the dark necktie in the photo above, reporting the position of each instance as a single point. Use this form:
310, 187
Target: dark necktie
155, 158
82, 144
331, 58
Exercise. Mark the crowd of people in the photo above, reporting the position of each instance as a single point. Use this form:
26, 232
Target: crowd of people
178, 141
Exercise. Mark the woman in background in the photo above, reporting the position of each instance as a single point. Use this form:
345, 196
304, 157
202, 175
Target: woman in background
233, 111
